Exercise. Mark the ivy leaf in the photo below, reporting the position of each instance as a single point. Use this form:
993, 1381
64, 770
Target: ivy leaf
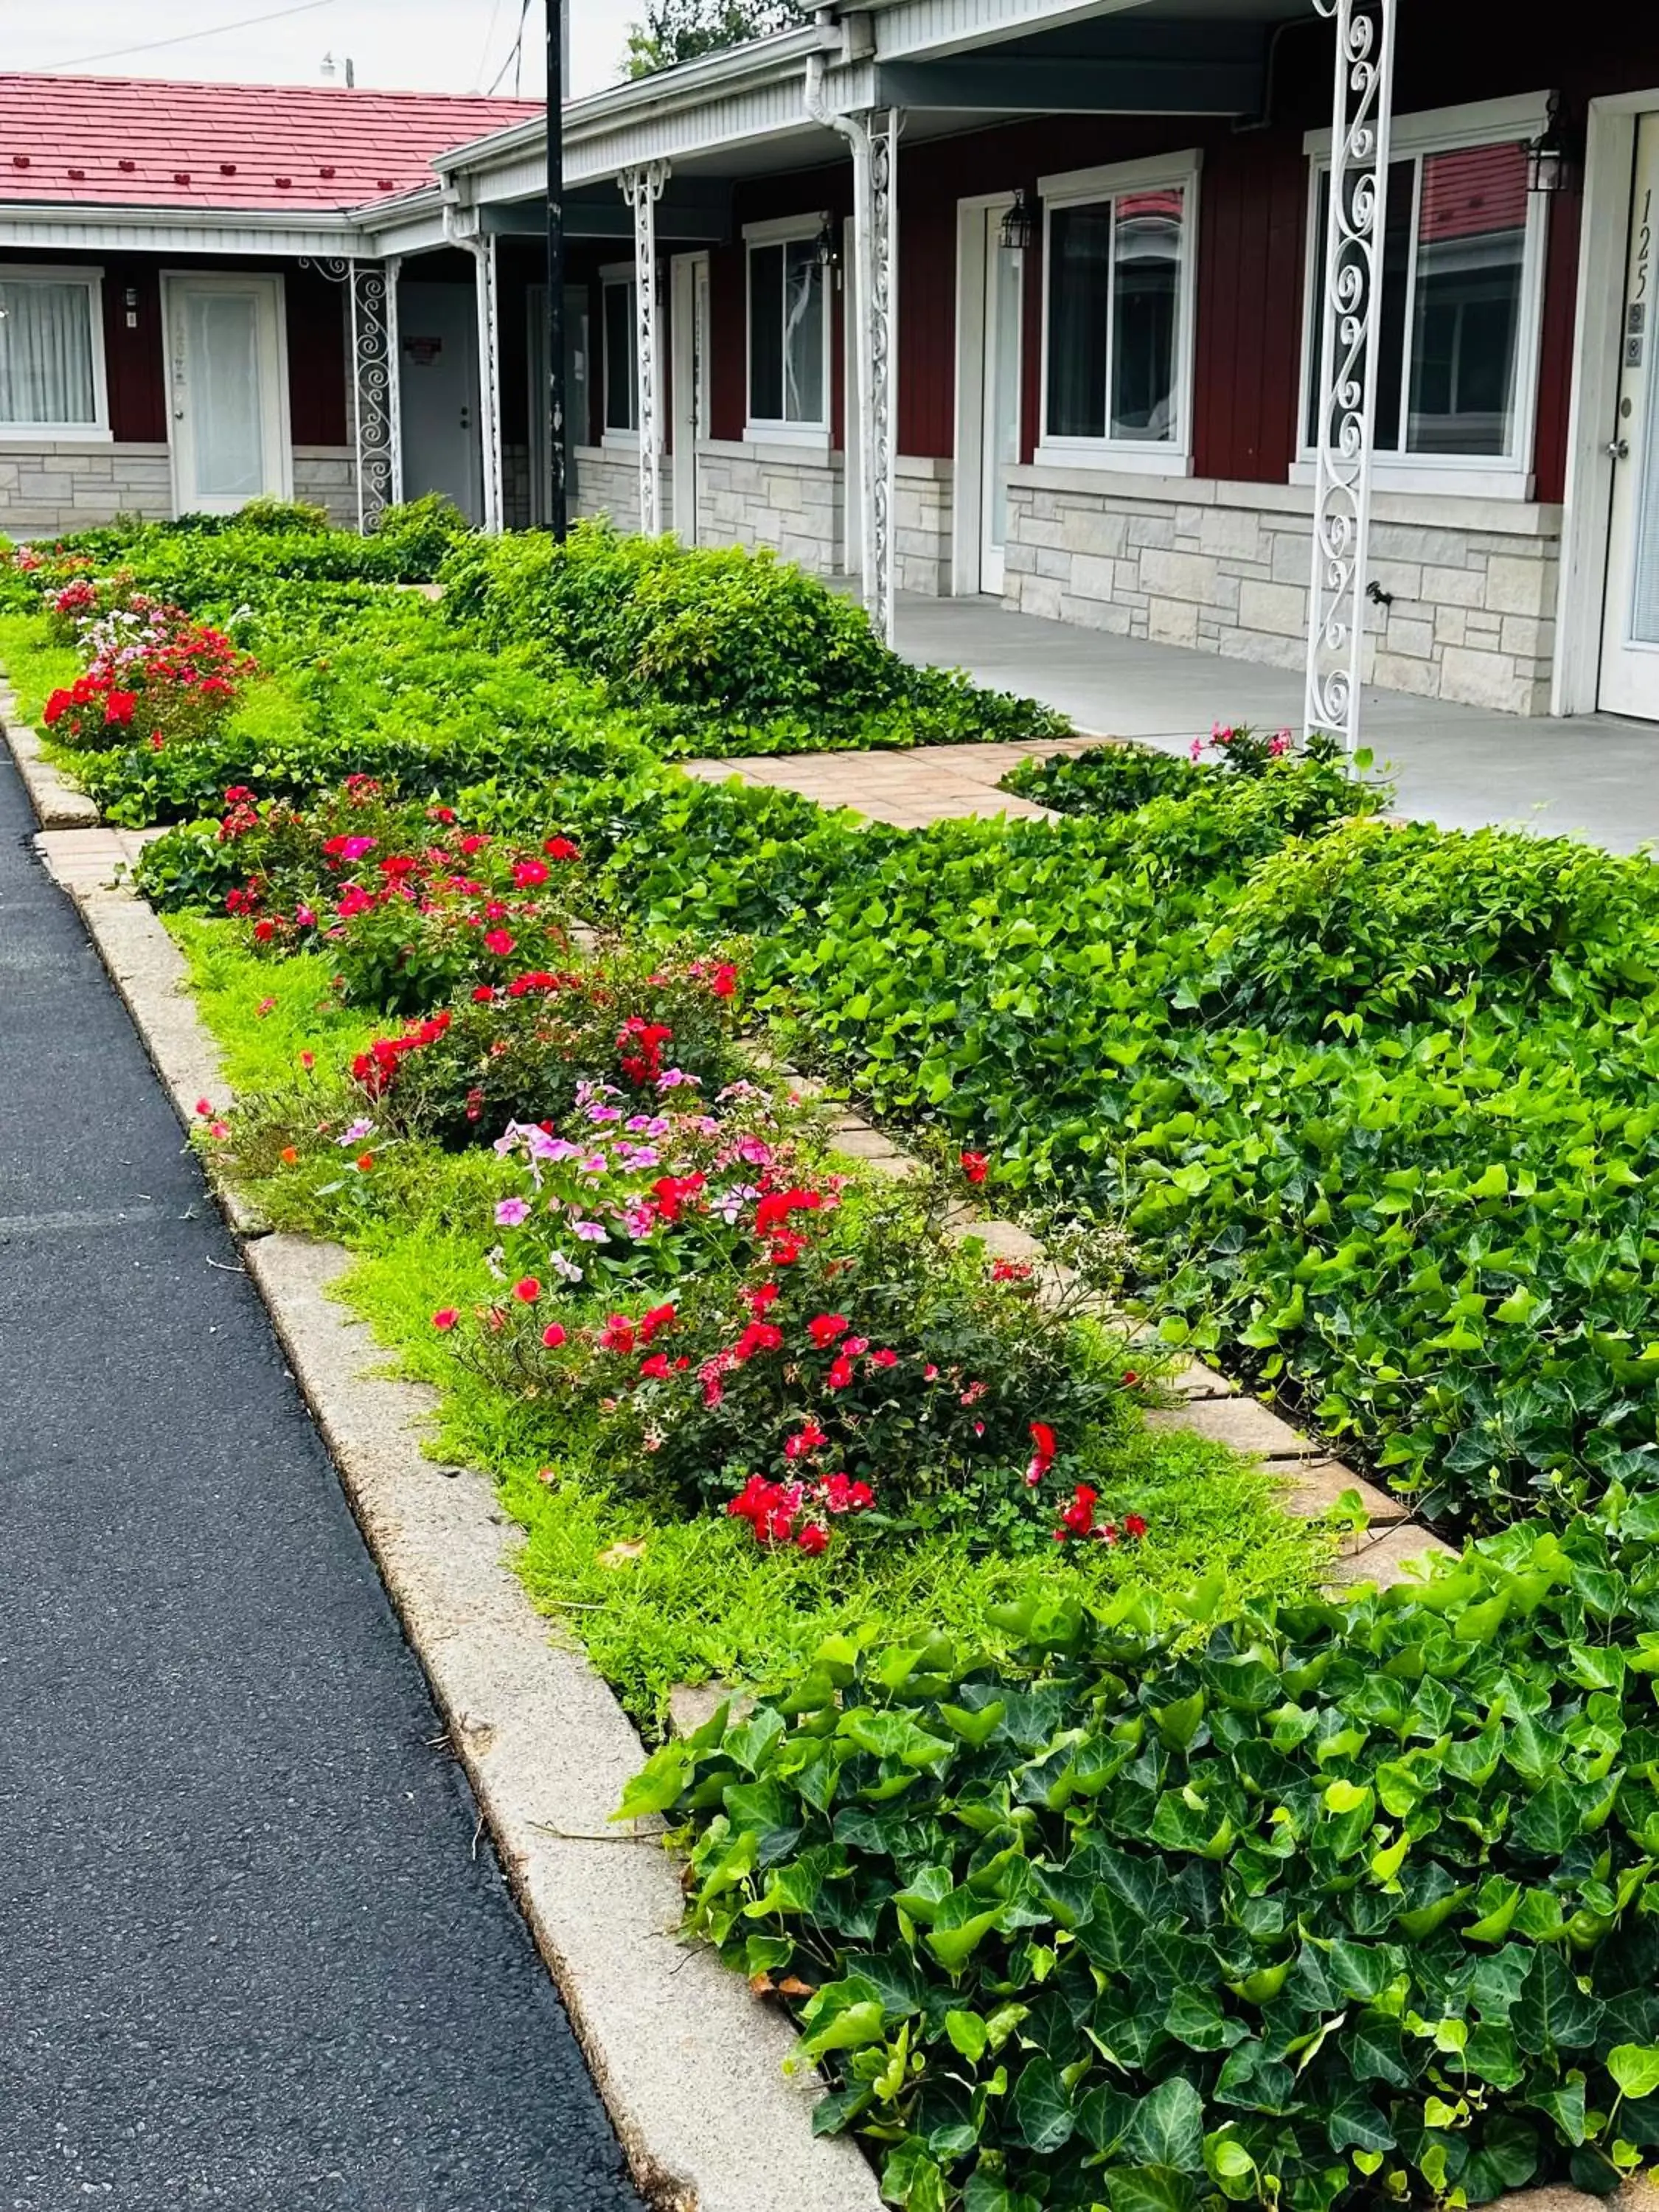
1551, 2012
1635, 2067
1149, 2188
1167, 2129
1041, 2108
1503, 2156
1353, 2123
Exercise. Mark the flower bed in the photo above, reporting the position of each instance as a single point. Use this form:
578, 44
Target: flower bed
1095, 1880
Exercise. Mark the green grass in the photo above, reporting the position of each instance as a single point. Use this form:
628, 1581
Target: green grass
657, 1601
35, 665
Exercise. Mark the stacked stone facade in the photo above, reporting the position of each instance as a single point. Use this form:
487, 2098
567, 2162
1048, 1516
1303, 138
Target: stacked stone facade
1225, 568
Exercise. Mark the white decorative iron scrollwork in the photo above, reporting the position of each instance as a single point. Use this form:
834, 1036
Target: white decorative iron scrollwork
642, 188
1346, 370
371, 290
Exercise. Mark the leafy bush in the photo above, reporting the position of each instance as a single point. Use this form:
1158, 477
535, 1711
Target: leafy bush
1309, 1906
726, 649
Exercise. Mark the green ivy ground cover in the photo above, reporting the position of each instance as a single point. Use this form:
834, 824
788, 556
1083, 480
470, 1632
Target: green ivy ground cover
1164, 1902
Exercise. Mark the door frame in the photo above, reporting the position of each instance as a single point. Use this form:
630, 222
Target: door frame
688, 274
227, 281
1598, 332
968, 475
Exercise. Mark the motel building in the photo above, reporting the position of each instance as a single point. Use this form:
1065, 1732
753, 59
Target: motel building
1108, 312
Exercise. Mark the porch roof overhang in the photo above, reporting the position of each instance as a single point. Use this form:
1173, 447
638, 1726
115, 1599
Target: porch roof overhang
951, 67
81, 229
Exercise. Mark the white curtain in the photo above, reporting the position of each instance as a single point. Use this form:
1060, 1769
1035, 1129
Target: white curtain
46, 352
228, 425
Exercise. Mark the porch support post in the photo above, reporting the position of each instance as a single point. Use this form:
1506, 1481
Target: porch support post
642, 188
489, 377
374, 299
1352, 290
876, 235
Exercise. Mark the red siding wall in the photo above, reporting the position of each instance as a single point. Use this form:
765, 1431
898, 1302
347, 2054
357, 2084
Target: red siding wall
316, 359
812, 192
134, 360
1252, 230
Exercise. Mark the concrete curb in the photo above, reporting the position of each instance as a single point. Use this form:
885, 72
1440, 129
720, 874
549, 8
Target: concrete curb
58, 805
690, 2064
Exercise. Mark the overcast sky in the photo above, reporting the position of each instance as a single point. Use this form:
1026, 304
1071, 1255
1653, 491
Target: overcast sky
430, 45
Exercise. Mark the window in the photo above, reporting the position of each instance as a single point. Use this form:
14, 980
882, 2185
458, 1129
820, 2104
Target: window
1462, 255
788, 331
622, 367
52, 352
1118, 312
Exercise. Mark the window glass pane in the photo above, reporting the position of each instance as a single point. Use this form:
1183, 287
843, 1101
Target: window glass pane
1471, 250
803, 332
45, 353
226, 393
1079, 290
1397, 279
766, 290
1146, 300
621, 382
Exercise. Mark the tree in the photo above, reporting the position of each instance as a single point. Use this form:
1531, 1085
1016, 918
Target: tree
680, 30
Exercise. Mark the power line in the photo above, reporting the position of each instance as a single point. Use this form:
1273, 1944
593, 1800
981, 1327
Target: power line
516, 58
488, 38
182, 37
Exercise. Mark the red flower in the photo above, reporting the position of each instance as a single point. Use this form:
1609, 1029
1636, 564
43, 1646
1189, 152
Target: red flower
528, 1291
1043, 1453
759, 1301
672, 1192
774, 1211
1134, 1525
840, 1375
498, 942
483, 994
656, 1369
1011, 1271
652, 1323
528, 873
618, 1334
759, 1336
724, 982
975, 1166
1077, 1519
119, 705
784, 1250
813, 1538
553, 1335
264, 931
825, 1328
809, 1439
364, 1161
446, 1317
561, 848
57, 707
884, 1359
841, 1496
203, 1107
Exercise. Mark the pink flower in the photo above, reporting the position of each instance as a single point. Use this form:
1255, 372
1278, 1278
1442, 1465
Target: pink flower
884, 1359
498, 942
528, 1291
445, 1318
553, 1336
804, 1441
511, 1212
528, 873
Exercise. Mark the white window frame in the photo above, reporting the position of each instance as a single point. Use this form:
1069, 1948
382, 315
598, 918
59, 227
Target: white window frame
97, 432
1169, 457
762, 430
1442, 130
620, 275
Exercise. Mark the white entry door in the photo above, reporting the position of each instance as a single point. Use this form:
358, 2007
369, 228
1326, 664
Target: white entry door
1630, 636
229, 391
438, 353
690, 340
1004, 290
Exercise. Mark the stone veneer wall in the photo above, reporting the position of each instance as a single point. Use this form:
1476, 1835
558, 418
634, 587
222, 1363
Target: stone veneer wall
788, 498
925, 522
327, 476
1225, 567
49, 487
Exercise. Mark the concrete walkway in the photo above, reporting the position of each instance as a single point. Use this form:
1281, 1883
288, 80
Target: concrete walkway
1594, 776
254, 1952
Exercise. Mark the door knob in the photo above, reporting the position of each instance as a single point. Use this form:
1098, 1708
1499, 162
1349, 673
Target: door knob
1619, 450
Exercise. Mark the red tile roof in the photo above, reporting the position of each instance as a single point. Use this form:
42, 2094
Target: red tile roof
137, 141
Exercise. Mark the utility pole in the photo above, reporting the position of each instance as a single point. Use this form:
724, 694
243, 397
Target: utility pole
558, 515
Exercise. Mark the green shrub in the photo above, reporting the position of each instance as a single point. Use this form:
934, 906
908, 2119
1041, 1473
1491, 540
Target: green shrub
725, 649
1309, 1906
